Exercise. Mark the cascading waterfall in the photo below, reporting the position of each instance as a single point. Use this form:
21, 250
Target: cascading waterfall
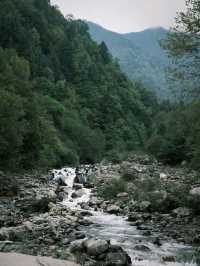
69, 177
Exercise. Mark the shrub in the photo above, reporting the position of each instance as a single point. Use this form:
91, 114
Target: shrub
8, 185
110, 191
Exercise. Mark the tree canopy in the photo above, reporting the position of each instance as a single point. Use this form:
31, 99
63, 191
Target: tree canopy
64, 99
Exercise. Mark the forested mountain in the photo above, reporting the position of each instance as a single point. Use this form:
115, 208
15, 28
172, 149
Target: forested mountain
140, 55
64, 100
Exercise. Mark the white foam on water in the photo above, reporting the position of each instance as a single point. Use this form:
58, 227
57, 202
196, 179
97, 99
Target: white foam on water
67, 175
74, 203
122, 233
117, 229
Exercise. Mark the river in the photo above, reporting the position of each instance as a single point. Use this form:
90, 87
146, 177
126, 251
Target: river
142, 249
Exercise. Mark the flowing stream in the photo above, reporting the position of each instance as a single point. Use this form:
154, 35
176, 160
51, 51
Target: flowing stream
116, 229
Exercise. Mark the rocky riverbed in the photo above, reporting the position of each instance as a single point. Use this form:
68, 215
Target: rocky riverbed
52, 218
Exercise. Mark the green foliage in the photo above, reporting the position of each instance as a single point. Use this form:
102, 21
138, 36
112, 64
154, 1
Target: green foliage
184, 46
175, 136
64, 100
140, 55
110, 191
8, 186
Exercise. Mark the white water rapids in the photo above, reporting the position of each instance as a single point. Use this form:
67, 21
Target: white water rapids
119, 231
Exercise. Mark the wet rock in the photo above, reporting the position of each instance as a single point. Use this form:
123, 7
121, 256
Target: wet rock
143, 227
80, 178
117, 257
77, 194
169, 259
84, 213
132, 218
157, 242
146, 233
77, 186
95, 247
40, 204
142, 248
196, 239
77, 246
113, 209
79, 235
89, 185
62, 196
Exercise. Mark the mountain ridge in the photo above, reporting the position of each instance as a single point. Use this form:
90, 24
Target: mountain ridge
139, 53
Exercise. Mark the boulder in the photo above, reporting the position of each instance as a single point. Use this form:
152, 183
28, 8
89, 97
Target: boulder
163, 176
142, 248
95, 247
77, 194
122, 195
195, 191
169, 258
113, 209
182, 212
117, 257
77, 186
80, 178
28, 226
77, 246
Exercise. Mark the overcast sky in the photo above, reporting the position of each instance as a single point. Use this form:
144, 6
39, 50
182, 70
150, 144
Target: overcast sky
124, 15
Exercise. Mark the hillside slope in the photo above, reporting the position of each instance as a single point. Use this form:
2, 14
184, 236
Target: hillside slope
139, 54
63, 98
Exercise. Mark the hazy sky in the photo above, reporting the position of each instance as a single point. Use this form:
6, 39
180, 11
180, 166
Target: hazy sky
124, 15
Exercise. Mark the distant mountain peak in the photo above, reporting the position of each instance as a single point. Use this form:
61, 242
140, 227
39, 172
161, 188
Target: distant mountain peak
139, 54
156, 28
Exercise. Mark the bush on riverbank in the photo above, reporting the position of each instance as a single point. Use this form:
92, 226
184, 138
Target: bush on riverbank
8, 185
163, 196
110, 190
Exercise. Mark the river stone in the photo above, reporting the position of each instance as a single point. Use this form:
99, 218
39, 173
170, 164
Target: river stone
144, 205
169, 258
122, 195
77, 246
77, 186
95, 247
195, 191
28, 225
12, 233
113, 209
182, 212
79, 193
118, 258
142, 248
163, 176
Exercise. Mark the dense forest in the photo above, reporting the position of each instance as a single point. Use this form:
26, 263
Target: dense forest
176, 137
64, 99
